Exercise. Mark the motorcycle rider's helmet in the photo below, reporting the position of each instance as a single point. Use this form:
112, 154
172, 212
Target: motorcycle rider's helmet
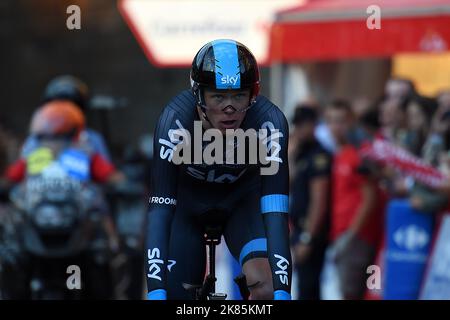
58, 118
223, 65
67, 87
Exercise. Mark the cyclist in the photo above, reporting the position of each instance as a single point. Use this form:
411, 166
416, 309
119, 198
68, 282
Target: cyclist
58, 125
253, 207
71, 89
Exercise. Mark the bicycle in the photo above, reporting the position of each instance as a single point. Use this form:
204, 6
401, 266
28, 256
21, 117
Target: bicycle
207, 291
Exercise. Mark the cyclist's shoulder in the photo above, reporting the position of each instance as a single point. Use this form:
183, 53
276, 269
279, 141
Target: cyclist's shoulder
94, 134
88, 143
182, 103
30, 144
264, 104
180, 109
265, 112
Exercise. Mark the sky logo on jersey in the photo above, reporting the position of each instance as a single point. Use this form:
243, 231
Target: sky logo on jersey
210, 176
212, 147
282, 265
155, 263
162, 200
273, 147
171, 264
176, 136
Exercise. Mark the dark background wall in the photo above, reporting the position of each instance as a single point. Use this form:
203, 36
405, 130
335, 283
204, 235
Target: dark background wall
36, 46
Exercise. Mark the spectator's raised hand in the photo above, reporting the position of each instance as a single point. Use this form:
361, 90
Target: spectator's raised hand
441, 120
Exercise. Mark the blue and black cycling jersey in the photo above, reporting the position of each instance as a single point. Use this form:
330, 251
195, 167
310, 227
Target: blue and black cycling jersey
255, 204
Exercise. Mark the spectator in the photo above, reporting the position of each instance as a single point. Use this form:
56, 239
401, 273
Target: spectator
355, 212
309, 208
444, 167
443, 98
418, 112
398, 88
366, 124
370, 124
322, 132
436, 152
361, 106
392, 119
438, 138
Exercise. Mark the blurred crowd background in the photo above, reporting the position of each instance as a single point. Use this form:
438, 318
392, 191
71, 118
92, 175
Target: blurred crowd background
355, 205
351, 207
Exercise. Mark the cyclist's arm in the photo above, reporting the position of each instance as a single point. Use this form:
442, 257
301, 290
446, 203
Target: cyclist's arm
274, 207
98, 143
103, 171
162, 203
15, 173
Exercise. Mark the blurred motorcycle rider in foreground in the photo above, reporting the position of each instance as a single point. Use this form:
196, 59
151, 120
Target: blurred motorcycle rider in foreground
56, 130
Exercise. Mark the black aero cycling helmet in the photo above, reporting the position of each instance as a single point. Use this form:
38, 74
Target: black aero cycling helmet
223, 65
67, 88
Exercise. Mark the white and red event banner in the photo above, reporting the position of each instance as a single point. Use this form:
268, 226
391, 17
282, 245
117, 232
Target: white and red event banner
172, 31
389, 154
